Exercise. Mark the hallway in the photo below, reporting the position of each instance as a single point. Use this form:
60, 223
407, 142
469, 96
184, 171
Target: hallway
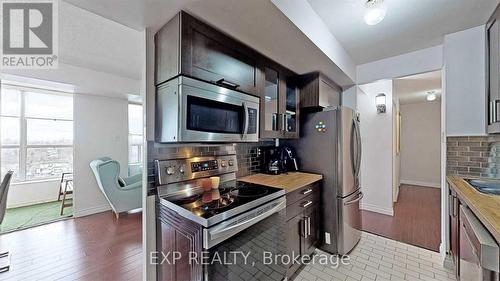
416, 219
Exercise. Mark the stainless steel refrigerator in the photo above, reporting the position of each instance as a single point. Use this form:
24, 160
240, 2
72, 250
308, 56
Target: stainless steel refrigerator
330, 144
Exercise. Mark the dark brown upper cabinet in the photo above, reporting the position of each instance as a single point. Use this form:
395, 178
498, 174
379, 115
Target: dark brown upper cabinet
318, 91
188, 46
493, 77
279, 109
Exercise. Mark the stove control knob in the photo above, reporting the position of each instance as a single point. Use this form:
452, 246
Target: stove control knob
170, 170
182, 169
230, 162
223, 163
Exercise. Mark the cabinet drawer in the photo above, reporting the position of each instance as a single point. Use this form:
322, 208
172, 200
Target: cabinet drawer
298, 207
301, 193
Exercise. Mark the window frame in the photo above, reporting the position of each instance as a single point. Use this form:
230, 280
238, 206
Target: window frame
139, 146
23, 134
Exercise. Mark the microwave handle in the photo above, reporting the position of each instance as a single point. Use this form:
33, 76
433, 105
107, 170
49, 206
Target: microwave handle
247, 117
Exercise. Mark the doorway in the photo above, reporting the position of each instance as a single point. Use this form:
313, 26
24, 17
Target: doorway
416, 165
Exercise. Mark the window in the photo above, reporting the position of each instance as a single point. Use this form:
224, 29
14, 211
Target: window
36, 133
135, 139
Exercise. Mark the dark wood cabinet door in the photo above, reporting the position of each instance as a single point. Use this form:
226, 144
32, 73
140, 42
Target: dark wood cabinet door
317, 91
295, 227
176, 234
311, 218
290, 106
271, 124
212, 56
494, 71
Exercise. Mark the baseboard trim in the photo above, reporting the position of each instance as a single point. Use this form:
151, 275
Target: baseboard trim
35, 202
91, 211
377, 209
421, 183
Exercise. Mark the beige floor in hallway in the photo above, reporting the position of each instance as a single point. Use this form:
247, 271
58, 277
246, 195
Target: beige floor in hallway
378, 258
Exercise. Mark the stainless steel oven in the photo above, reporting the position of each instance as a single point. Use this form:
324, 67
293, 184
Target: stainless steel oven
479, 253
188, 110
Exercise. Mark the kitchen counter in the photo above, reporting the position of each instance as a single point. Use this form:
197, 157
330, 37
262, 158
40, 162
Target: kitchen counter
289, 182
485, 207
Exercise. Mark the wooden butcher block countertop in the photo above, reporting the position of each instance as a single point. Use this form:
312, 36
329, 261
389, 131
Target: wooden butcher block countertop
289, 182
485, 207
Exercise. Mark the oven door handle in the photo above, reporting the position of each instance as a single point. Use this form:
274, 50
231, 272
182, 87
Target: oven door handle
247, 117
244, 224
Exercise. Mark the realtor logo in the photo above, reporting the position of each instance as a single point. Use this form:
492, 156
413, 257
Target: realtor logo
29, 34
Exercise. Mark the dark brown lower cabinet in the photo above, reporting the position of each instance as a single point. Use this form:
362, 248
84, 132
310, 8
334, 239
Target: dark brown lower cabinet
294, 226
454, 204
303, 212
312, 224
176, 234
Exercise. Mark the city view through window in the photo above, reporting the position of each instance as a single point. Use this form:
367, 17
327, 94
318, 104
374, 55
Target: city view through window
36, 133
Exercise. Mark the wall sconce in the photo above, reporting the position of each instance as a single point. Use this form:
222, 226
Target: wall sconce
380, 102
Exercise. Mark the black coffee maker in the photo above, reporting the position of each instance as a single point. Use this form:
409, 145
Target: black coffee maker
277, 160
289, 158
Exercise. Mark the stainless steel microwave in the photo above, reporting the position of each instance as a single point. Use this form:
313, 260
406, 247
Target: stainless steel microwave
189, 110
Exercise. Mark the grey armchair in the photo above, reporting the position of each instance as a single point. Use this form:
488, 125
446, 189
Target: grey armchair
4, 190
123, 194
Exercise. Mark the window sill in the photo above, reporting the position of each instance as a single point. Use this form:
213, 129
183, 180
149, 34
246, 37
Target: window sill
35, 181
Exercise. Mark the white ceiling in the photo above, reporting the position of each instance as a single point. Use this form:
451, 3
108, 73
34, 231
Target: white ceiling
413, 89
409, 25
258, 23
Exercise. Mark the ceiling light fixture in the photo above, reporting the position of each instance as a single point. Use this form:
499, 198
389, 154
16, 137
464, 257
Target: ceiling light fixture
375, 11
431, 96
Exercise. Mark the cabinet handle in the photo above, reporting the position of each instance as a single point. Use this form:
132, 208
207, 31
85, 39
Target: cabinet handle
308, 226
227, 83
307, 191
286, 122
494, 111
491, 113
283, 118
304, 227
306, 204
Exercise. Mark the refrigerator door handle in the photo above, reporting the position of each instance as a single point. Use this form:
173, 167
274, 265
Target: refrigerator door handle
361, 195
352, 144
359, 147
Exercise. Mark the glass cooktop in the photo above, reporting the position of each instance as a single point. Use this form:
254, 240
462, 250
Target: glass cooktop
228, 196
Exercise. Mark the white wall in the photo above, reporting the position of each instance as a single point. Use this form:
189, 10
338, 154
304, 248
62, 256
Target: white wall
465, 82
29, 193
420, 61
349, 97
101, 129
421, 144
376, 140
307, 20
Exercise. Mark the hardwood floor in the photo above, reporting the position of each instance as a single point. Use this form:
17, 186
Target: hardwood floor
96, 247
416, 220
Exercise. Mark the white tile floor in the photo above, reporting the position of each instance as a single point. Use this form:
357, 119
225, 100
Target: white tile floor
378, 258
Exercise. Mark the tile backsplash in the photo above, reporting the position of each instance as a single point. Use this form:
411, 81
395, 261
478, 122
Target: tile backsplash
473, 156
247, 156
